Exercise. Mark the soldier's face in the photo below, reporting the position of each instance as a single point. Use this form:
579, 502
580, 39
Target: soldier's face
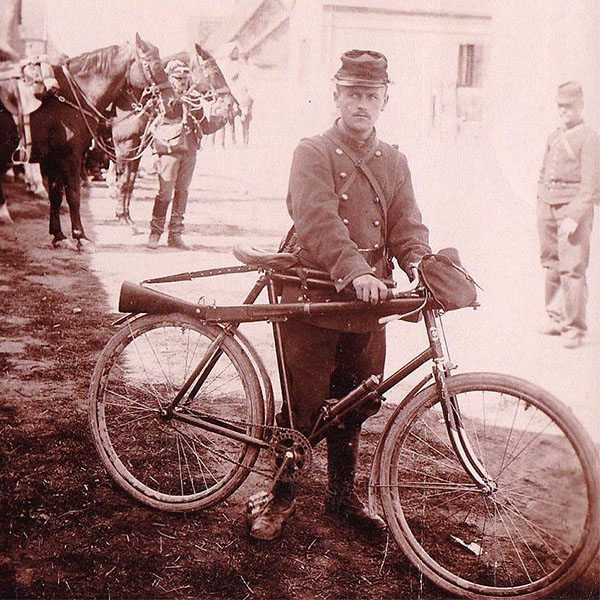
179, 84
569, 113
360, 106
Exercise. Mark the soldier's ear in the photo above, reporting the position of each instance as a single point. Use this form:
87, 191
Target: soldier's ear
385, 101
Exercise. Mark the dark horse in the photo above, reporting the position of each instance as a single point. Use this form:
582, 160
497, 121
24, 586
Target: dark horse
62, 128
132, 130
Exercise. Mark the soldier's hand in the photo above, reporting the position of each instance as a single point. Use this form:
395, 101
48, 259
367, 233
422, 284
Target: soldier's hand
369, 289
567, 228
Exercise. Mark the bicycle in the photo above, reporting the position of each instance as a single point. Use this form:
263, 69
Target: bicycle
466, 471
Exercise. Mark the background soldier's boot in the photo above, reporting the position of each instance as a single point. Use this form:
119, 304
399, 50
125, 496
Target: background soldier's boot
157, 223
175, 241
341, 499
153, 239
268, 524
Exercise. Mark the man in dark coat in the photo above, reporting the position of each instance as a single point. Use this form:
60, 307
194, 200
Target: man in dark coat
568, 188
353, 206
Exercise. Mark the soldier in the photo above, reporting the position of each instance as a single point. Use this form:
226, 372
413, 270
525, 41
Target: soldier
176, 142
351, 199
567, 190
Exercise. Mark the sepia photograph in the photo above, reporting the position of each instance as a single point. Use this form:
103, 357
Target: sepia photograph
299, 299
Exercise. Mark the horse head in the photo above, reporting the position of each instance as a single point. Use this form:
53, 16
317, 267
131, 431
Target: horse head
147, 70
211, 80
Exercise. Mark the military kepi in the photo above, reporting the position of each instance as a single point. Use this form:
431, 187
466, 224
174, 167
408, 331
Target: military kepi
569, 93
362, 67
177, 69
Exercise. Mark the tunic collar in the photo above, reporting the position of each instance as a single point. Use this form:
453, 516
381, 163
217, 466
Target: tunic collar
359, 145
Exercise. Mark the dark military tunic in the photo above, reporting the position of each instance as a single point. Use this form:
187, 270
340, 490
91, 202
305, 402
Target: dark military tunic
347, 229
352, 230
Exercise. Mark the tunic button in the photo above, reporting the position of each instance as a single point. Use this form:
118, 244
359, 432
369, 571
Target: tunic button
345, 221
344, 196
376, 223
377, 153
376, 198
340, 280
343, 175
339, 151
375, 246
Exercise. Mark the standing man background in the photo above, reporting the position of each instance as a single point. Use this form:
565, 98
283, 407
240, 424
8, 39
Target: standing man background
567, 190
176, 142
353, 206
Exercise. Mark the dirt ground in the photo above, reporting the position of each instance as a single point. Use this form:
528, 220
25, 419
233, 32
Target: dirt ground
67, 532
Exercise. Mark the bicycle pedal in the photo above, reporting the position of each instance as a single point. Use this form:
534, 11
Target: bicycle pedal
257, 503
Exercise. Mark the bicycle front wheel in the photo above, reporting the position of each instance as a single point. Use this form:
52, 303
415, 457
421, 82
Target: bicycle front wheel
530, 532
158, 458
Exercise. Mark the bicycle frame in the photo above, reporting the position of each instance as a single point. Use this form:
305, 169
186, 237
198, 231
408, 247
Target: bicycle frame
137, 299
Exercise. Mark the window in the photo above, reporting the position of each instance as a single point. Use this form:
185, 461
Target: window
469, 65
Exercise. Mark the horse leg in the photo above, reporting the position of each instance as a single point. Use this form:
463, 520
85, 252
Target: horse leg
121, 208
55, 195
71, 178
5, 218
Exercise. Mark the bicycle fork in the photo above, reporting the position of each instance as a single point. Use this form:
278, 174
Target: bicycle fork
457, 432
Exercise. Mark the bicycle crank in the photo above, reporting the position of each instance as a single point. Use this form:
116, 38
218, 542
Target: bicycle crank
286, 442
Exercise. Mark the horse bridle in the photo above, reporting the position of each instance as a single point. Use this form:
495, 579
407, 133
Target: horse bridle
153, 89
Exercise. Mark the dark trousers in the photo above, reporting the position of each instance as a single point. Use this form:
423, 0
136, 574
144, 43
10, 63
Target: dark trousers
565, 262
326, 363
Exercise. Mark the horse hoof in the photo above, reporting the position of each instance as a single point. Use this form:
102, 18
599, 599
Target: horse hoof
5, 218
85, 245
64, 244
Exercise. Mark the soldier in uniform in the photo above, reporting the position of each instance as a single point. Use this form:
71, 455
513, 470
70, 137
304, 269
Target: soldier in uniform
567, 190
176, 142
351, 199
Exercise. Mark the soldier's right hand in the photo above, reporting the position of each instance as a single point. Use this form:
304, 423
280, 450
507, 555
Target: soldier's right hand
369, 289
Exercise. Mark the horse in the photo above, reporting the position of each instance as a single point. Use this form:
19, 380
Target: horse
132, 129
62, 128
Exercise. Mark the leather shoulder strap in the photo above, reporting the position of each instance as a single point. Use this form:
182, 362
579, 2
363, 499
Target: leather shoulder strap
566, 145
360, 164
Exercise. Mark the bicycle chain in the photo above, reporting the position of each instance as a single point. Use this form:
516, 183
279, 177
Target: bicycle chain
275, 431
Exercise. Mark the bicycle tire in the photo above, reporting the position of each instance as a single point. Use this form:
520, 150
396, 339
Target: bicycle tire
537, 532
162, 462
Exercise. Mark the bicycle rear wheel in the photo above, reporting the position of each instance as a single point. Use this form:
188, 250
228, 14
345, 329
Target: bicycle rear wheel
535, 532
160, 460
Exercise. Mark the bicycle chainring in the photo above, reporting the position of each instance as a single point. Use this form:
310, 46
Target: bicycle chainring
284, 440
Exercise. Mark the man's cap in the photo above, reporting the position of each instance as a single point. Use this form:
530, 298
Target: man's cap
177, 69
569, 93
362, 67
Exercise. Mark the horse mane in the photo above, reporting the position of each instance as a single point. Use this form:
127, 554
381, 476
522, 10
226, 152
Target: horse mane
99, 61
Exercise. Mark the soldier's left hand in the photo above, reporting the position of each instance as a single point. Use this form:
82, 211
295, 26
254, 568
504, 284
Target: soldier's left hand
567, 228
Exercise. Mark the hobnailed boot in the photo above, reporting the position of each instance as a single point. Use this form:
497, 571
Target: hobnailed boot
342, 500
267, 525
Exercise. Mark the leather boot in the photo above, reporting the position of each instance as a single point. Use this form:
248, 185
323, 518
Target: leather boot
269, 523
159, 215
341, 500
175, 241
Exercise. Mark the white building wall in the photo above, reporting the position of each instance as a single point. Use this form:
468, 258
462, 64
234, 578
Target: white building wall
420, 40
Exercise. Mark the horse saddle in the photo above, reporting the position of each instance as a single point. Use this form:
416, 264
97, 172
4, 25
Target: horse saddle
23, 84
